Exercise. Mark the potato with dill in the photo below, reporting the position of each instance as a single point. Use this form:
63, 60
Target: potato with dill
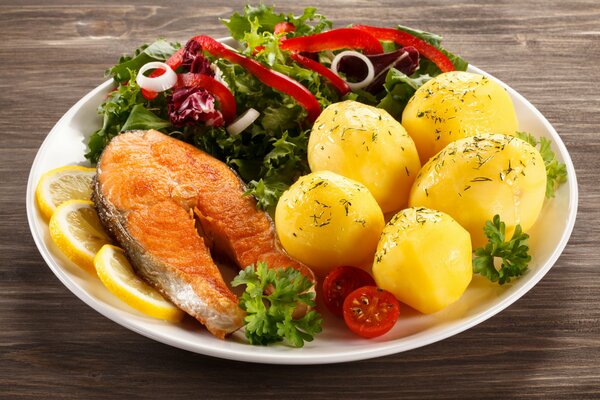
424, 259
325, 220
366, 144
455, 105
477, 177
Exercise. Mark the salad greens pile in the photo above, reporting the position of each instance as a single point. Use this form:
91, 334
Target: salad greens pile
271, 153
126, 108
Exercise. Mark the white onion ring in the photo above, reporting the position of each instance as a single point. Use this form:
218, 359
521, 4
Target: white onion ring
242, 122
370, 69
159, 83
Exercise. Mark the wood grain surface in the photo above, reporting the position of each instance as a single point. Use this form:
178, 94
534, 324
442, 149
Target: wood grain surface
52, 345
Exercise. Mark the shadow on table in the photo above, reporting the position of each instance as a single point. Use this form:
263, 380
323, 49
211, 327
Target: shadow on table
506, 356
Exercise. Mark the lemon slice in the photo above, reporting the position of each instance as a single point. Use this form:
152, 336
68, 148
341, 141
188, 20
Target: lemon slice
77, 232
61, 184
118, 276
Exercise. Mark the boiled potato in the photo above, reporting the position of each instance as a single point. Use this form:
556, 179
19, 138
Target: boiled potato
424, 259
477, 177
455, 105
325, 220
366, 144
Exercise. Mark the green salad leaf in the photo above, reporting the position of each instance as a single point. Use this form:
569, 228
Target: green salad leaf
115, 111
140, 118
159, 50
431, 38
556, 172
399, 89
270, 299
426, 66
126, 109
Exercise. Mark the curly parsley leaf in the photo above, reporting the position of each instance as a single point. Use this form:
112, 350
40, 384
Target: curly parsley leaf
513, 254
270, 298
556, 172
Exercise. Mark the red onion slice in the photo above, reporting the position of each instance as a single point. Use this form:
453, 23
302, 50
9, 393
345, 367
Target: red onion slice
370, 69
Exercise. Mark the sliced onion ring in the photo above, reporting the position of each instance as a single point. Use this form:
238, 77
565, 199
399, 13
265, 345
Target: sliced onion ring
242, 122
370, 69
160, 83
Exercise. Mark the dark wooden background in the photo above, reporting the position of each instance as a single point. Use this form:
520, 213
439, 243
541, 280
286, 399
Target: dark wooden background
547, 345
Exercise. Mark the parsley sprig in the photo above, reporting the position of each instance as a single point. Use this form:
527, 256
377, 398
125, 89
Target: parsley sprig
270, 298
514, 253
556, 172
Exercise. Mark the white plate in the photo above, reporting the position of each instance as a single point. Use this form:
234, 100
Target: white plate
65, 145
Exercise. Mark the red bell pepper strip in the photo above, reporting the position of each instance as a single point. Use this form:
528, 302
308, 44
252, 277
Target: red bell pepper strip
176, 59
174, 62
335, 39
267, 76
257, 50
284, 27
405, 39
226, 101
340, 84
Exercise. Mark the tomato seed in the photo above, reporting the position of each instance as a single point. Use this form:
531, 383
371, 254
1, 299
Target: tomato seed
357, 311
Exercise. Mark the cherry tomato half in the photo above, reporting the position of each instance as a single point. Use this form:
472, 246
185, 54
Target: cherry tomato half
340, 282
370, 311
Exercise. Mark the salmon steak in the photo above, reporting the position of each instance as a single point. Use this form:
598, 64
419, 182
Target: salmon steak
169, 204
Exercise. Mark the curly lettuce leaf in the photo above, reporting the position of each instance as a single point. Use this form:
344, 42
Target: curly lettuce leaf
266, 18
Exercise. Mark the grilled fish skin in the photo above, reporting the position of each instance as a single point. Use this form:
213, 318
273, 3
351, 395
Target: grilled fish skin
155, 194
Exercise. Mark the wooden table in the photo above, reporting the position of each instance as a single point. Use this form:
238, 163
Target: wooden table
547, 345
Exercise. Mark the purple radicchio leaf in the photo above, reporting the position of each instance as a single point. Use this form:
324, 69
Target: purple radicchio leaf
191, 105
195, 60
405, 60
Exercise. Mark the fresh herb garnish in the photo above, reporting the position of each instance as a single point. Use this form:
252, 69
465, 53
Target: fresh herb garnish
513, 254
556, 172
270, 299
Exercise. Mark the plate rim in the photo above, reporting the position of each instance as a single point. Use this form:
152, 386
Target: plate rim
256, 354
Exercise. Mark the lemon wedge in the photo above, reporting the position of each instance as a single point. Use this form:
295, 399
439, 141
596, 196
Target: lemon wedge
77, 232
118, 276
61, 184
